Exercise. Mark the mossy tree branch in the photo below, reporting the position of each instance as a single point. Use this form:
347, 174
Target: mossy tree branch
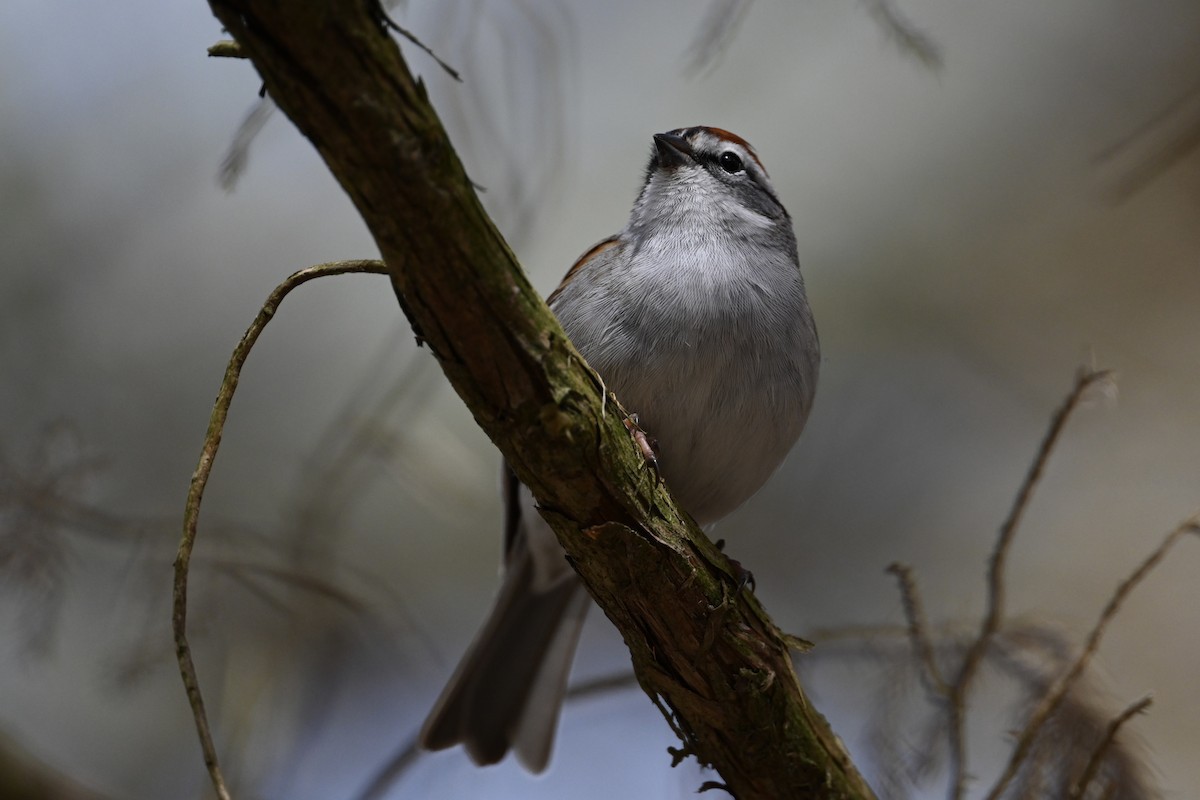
708, 651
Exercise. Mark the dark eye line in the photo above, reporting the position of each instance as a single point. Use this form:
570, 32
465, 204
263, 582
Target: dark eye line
715, 159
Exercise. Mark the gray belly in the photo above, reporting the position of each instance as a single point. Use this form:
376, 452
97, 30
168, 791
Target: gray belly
723, 426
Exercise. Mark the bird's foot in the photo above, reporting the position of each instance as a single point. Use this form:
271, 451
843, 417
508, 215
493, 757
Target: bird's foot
648, 445
741, 575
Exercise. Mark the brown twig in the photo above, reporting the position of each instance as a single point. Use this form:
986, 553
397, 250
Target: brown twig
994, 615
191, 514
388, 22
1110, 734
1058, 690
918, 629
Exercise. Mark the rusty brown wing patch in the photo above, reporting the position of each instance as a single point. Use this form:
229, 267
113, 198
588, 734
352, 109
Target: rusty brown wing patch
592, 252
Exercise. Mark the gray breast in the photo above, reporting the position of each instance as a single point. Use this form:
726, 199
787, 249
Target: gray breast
721, 372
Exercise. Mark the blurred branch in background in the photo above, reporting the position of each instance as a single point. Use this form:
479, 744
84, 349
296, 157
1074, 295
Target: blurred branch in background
285, 593
40, 509
238, 155
374, 429
911, 40
1155, 146
717, 30
513, 142
45, 516
950, 695
1075, 749
1056, 696
1066, 745
724, 18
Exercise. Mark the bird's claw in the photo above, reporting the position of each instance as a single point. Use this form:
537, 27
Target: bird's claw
745, 578
646, 444
741, 575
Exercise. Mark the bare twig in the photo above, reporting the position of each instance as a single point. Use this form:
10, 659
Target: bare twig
1101, 751
994, 615
1055, 699
191, 514
1058, 690
386, 22
999, 557
918, 629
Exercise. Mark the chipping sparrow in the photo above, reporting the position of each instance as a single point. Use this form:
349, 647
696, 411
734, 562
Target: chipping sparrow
695, 316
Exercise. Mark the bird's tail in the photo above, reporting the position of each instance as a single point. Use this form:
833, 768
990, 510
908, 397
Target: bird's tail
508, 689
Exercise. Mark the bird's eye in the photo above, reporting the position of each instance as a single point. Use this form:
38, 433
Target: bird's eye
730, 162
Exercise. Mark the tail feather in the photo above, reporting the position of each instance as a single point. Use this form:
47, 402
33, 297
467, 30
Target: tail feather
534, 738
507, 691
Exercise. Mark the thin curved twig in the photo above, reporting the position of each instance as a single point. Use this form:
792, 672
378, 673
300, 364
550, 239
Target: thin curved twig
191, 513
388, 23
918, 629
1110, 734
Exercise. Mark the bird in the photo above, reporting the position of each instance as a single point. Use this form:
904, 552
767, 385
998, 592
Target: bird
695, 315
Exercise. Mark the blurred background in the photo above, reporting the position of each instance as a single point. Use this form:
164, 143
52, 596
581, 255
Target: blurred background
986, 194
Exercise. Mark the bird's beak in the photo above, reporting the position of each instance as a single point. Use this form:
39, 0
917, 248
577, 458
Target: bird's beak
673, 150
